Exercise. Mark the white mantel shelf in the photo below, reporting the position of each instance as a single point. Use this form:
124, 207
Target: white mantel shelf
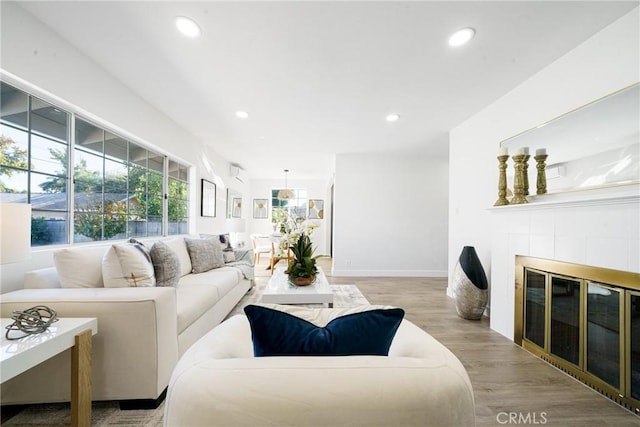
626, 194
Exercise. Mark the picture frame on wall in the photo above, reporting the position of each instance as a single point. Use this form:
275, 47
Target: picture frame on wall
207, 199
236, 210
316, 209
260, 208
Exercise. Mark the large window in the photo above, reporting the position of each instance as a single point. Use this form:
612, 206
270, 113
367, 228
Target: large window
34, 150
120, 188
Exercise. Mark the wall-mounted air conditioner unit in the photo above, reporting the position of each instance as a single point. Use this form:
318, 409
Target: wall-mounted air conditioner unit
238, 173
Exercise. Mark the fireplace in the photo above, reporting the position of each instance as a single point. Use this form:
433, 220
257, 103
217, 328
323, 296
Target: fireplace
584, 320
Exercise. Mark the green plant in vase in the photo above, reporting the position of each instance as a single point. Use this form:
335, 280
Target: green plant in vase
302, 270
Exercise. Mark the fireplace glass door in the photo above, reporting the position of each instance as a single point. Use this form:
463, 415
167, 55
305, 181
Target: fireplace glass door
535, 310
604, 323
565, 319
633, 313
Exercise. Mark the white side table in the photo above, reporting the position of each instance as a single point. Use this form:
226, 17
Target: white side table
23, 354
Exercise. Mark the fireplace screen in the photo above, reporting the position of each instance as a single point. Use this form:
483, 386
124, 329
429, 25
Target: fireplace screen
584, 320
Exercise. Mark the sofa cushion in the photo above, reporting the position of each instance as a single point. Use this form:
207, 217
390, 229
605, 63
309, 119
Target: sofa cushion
192, 302
127, 265
223, 278
166, 264
276, 333
68, 260
205, 254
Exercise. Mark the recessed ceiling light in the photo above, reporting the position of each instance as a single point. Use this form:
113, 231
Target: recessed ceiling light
461, 37
393, 117
242, 114
187, 26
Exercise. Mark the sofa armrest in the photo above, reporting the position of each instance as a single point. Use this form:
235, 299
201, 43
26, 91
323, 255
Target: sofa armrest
136, 347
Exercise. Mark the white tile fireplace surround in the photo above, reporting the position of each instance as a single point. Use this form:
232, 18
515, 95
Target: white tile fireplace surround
599, 228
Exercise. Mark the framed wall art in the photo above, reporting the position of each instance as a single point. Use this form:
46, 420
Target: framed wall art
236, 210
260, 208
316, 209
208, 199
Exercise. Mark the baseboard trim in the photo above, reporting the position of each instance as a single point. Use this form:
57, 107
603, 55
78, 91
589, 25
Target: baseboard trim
132, 404
390, 273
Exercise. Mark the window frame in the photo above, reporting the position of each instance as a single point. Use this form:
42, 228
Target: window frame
301, 203
185, 168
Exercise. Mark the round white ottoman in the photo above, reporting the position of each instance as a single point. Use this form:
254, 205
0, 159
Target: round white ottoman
218, 382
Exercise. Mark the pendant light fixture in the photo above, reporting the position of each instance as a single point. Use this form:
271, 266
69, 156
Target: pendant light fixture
285, 194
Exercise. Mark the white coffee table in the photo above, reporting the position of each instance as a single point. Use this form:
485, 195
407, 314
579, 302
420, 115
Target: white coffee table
23, 354
280, 291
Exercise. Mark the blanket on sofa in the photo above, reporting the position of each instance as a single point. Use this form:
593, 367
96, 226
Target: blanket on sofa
244, 262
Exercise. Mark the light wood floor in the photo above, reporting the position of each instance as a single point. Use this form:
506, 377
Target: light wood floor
505, 377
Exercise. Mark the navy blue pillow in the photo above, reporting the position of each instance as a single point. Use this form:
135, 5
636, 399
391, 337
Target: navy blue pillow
276, 333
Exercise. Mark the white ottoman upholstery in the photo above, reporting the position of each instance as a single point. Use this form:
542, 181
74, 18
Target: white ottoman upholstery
218, 382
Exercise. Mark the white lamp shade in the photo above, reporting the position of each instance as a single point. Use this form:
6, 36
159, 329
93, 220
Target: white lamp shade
15, 232
235, 225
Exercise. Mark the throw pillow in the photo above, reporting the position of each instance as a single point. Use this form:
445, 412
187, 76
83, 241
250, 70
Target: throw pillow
205, 254
223, 239
276, 333
225, 242
166, 264
229, 256
68, 260
127, 265
178, 245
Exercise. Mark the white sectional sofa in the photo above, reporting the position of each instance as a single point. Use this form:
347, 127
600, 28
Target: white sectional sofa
142, 331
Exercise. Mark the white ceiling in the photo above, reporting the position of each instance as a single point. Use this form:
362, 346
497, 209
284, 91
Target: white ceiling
318, 78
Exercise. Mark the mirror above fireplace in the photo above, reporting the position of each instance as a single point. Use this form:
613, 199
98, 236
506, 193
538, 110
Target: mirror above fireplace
593, 146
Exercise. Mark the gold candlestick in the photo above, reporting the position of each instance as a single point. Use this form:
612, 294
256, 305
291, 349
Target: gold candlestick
525, 174
502, 181
518, 181
541, 181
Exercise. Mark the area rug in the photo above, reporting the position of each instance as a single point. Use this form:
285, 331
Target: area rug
104, 414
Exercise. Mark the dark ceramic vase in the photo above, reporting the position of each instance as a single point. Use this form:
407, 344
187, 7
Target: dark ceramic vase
470, 288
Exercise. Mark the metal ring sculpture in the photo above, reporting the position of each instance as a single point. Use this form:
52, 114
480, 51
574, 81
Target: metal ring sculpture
31, 321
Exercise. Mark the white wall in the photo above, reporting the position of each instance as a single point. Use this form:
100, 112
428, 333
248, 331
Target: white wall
390, 215
606, 62
46, 64
316, 189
